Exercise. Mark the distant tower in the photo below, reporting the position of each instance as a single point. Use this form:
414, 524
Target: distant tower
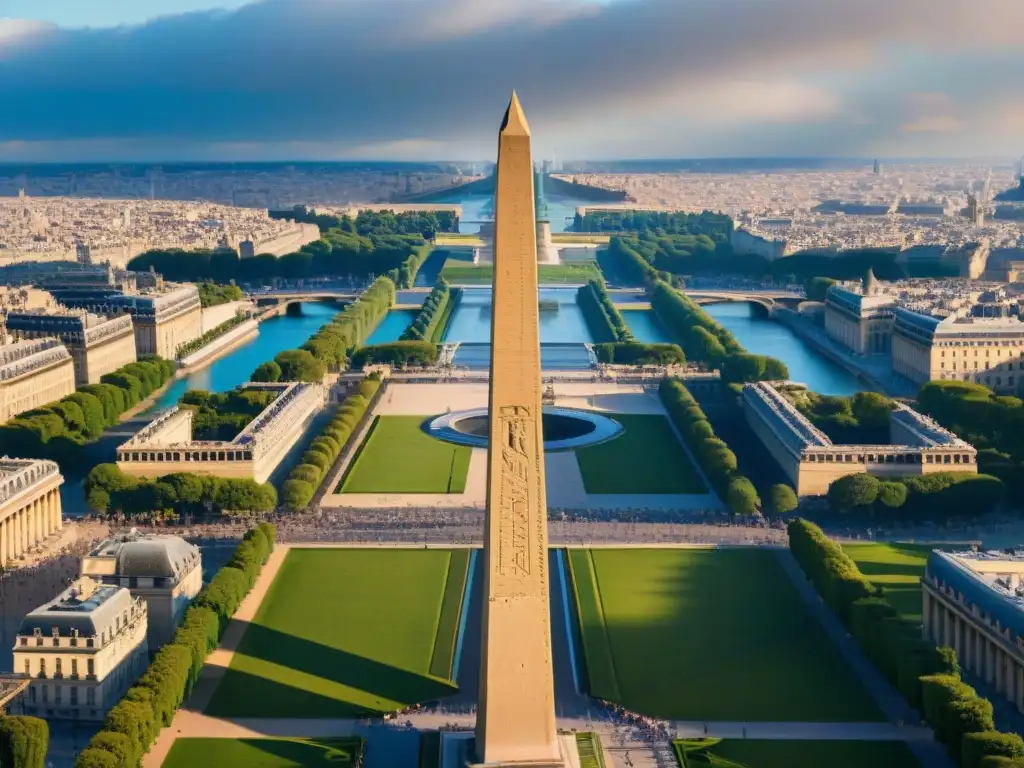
870, 283
877, 170
975, 211
84, 253
1020, 172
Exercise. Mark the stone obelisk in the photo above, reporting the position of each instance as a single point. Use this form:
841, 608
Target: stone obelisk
516, 717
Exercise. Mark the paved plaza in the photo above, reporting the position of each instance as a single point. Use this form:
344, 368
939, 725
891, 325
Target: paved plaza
564, 480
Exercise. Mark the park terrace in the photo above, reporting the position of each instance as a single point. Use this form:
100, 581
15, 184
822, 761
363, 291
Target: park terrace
165, 445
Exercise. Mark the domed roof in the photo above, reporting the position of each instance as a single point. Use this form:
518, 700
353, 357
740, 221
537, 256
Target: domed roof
150, 556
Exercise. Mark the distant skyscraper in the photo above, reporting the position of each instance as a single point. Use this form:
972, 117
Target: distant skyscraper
878, 168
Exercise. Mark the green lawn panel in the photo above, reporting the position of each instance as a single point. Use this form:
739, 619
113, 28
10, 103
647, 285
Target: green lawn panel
443, 657
341, 633
399, 457
646, 458
596, 648
590, 752
264, 753
719, 634
455, 271
898, 569
754, 753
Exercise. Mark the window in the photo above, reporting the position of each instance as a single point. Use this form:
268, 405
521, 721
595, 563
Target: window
74, 695
28, 667
58, 673
57, 691
42, 667
32, 694
90, 667
46, 694
74, 667
90, 696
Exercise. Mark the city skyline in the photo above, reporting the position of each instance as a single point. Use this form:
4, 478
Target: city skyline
912, 79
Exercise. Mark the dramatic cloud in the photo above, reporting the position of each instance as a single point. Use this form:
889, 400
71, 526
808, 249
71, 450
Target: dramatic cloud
428, 78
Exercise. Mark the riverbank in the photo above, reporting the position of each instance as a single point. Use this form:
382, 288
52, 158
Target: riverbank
880, 378
218, 347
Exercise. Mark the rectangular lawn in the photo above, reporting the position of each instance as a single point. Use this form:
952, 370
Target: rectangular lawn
342, 633
265, 753
646, 458
897, 568
754, 753
399, 457
711, 634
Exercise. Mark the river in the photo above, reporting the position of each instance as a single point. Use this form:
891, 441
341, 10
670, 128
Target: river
767, 337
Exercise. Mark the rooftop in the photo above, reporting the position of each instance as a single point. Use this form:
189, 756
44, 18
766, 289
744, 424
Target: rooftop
86, 606
142, 555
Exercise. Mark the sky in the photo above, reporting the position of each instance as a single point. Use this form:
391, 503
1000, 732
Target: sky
164, 80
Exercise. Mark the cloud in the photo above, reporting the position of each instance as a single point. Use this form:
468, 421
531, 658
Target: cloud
341, 76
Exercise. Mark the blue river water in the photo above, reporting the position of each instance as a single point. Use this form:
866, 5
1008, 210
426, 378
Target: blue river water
644, 326
767, 337
276, 335
392, 326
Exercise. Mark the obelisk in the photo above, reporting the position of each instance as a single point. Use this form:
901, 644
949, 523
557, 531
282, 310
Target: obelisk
516, 716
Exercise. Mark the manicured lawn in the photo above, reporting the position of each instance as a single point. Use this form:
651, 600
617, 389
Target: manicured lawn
455, 271
399, 457
646, 458
341, 633
704, 634
264, 753
442, 659
591, 753
897, 568
751, 753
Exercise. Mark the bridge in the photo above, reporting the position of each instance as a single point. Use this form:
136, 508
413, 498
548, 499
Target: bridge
768, 299
290, 295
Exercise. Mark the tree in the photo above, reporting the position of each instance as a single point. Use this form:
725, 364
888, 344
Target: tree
872, 410
300, 365
817, 287
782, 499
743, 368
977, 746
741, 497
268, 371
892, 494
853, 491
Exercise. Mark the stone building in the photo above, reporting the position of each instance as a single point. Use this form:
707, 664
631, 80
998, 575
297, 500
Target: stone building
983, 350
165, 571
29, 505
974, 603
810, 459
165, 445
164, 316
860, 321
98, 345
32, 374
82, 651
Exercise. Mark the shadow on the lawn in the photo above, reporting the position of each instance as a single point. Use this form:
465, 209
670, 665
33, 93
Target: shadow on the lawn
242, 694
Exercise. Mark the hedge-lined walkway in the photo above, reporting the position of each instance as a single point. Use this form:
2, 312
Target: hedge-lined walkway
930, 753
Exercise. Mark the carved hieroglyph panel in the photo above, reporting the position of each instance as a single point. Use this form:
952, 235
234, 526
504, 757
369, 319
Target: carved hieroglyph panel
515, 505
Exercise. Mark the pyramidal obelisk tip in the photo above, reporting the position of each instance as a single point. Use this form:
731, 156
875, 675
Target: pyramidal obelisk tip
515, 121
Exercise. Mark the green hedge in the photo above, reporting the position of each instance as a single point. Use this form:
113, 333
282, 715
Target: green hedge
936, 496
23, 742
705, 340
186, 349
398, 354
713, 455
109, 490
133, 724
636, 353
425, 325
304, 480
928, 677
58, 431
603, 318
330, 346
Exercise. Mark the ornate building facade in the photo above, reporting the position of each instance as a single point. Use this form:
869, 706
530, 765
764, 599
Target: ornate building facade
974, 603
165, 571
98, 345
82, 651
32, 374
29, 505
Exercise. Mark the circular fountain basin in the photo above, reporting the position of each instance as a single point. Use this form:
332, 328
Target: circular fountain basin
565, 429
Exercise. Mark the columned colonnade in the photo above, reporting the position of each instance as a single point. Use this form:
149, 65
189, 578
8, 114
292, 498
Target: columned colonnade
27, 522
981, 648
